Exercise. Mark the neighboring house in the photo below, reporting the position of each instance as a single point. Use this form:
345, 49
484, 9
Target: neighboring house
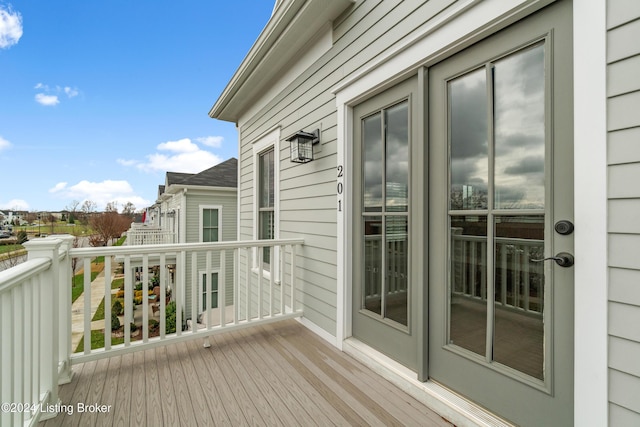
195, 208
459, 143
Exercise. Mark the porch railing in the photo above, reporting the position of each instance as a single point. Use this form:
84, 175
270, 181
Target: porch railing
149, 236
35, 304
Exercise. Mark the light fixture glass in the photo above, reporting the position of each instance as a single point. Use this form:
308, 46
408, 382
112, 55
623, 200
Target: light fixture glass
302, 145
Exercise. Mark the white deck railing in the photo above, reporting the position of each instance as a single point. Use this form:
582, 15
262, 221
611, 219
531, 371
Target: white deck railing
35, 304
137, 235
34, 332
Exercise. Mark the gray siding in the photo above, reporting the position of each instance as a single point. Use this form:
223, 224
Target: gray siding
308, 199
228, 201
623, 122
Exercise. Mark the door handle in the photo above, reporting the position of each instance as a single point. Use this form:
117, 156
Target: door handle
563, 259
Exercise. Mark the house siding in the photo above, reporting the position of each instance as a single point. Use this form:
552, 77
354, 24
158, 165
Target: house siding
308, 201
623, 123
228, 202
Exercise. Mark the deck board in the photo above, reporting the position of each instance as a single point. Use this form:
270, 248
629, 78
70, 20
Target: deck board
279, 374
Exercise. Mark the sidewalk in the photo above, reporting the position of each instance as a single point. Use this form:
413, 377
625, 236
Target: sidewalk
77, 308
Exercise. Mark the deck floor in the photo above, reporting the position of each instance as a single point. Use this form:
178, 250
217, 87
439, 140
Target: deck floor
274, 375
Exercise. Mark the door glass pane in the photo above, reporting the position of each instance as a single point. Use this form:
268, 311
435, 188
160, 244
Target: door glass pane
519, 130
397, 157
397, 249
468, 306
372, 289
373, 167
468, 144
519, 293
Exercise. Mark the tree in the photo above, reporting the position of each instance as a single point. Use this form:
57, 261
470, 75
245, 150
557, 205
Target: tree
108, 225
111, 207
129, 209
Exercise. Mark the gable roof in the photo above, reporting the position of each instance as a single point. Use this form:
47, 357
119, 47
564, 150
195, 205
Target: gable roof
176, 177
224, 174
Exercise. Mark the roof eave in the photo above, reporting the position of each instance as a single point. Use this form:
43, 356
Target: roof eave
291, 26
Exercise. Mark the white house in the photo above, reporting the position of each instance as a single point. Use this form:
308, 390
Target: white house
469, 216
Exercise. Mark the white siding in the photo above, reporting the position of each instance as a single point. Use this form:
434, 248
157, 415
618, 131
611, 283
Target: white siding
623, 123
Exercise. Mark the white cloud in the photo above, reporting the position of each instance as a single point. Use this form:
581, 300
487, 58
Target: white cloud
71, 92
47, 100
4, 144
183, 156
102, 193
10, 27
15, 204
50, 96
211, 141
183, 145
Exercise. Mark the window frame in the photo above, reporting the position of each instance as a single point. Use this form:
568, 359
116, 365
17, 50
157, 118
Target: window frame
270, 141
201, 209
201, 275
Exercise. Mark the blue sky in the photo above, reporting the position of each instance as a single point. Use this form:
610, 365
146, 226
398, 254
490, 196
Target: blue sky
98, 99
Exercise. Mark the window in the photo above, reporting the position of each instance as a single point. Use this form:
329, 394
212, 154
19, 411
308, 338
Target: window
210, 223
266, 223
266, 199
208, 292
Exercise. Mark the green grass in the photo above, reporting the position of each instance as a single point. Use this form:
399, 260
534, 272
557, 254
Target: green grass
77, 286
10, 248
97, 341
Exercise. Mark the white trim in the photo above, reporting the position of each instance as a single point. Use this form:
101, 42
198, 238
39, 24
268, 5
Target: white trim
265, 142
201, 209
318, 330
590, 176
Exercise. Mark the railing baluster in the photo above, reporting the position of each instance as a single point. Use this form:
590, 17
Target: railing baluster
208, 297
17, 344
145, 298
282, 275
247, 286
260, 276
194, 291
222, 289
163, 295
87, 304
293, 277
107, 303
236, 286
272, 278
180, 284
128, 299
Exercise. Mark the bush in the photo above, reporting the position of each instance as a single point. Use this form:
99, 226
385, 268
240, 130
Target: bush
21, 237
133, 327
170, 322
116, 308
115, 322
154, 325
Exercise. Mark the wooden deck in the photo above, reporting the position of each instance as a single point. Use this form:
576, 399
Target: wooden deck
275, 375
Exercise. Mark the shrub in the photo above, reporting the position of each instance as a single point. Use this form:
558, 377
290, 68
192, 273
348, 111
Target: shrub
154, 325
133, 327
115, 322
138, 286
170, 322
116, 308
21, 237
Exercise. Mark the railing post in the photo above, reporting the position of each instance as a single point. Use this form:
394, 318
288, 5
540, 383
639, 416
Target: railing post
49, 319
64, 351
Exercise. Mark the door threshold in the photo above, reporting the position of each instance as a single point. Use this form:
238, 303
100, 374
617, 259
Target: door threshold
449, 405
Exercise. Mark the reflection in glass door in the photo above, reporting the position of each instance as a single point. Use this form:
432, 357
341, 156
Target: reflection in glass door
497, 210
385, 207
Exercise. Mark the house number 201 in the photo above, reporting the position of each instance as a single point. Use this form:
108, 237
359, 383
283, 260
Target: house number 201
340, 187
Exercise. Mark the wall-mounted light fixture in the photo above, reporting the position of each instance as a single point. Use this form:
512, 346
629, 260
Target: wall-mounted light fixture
171, 213
302, 145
